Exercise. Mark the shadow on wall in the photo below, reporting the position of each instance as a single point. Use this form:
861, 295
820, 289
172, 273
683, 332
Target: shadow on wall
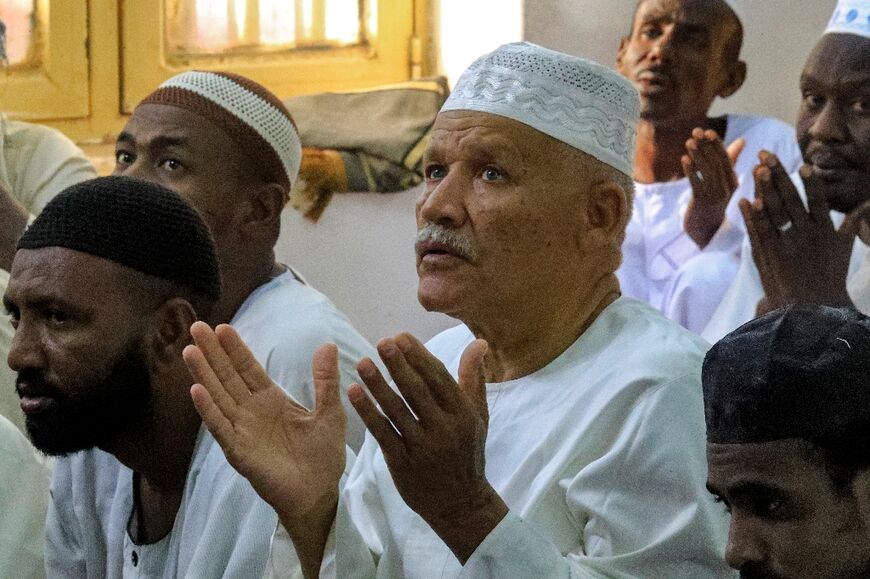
361, 255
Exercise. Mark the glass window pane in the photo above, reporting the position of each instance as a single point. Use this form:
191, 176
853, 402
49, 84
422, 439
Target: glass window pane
19, 18
212, 27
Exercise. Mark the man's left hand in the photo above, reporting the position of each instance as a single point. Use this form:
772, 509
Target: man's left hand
433, 438
709, 165
800, 256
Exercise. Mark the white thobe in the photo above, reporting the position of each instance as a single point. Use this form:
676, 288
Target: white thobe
741, 300
36, 163
657, 247
600, 457
23, 500
283, 322
222, 529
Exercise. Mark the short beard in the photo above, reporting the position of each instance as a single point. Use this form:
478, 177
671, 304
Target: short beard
98, 413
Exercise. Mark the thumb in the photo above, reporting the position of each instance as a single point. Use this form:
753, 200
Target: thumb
471, 379
734, 149
855, 220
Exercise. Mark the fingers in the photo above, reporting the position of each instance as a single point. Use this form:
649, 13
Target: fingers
782, 185
855, 220
472, 382
212, 415
767, 197
734, 149
243, 361
327, 380
392, 405
440, 385
762, 238
414, 385
215, 370
709, 168
817, 201
375, 422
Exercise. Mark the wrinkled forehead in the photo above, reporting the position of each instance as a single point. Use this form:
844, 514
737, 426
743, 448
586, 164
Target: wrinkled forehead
477, 133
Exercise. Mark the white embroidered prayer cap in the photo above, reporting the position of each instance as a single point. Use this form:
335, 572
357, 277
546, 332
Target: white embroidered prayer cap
574, 100
851, 17
248, 112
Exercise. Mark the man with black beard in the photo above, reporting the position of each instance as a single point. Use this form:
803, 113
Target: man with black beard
103, 288
787, 405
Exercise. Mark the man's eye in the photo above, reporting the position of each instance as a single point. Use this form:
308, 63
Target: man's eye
436, 172
123, 158
723, 502
170, 164
650, 32
55, 316
813, 101
861, 106
492, 174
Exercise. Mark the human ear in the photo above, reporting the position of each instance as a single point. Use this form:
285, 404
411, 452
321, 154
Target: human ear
734, 80
620, 54
267, 203
607, 208
170, 330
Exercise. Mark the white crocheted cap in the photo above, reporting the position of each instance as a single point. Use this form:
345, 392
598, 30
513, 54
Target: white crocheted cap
258, 121
851, 17
574, 100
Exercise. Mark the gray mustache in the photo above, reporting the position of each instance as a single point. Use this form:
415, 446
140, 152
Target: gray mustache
457, 242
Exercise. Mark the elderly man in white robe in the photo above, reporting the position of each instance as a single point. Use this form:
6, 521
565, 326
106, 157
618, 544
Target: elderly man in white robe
558, 432
802, 245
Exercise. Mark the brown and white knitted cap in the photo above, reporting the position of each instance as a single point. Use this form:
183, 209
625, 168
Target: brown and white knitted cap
250, 114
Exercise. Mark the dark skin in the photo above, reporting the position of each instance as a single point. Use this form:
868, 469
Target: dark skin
800, 255
667, 57
486, 176
70, 311
789, 519
190, 155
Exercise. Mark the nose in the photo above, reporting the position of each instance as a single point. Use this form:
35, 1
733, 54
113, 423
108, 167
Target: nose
829, 125
443, 201
745, 546
25, 350
660, 51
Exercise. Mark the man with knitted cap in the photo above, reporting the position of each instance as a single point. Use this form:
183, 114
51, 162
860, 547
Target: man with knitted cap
683, 243
802, 245
787, 401
558, 431
229, 147
103, 289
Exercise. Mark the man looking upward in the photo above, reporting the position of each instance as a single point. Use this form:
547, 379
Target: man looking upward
558, 430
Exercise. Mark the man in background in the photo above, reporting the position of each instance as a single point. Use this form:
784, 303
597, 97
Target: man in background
228, 146
683, 242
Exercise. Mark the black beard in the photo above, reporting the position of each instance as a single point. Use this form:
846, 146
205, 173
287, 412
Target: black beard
98, 413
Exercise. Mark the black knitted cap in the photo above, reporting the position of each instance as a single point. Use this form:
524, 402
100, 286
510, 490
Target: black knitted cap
801, 371
137, 224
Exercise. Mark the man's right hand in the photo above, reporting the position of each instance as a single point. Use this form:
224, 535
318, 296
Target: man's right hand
293, 457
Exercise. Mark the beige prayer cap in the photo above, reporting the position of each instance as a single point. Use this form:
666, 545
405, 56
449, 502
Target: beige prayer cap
574, 100
851, 17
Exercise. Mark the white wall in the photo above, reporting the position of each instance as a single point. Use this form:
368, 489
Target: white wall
361, 254
779, 35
